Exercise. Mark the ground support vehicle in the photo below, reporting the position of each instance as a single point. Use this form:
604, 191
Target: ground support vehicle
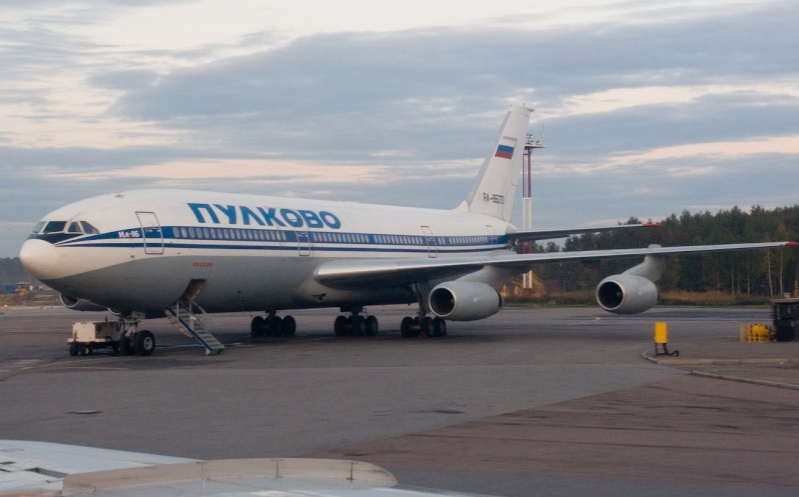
123, 337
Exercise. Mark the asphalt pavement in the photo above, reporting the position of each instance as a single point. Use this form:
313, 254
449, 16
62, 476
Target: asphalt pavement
541, 401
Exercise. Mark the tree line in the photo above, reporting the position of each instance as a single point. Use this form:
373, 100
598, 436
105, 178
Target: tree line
12, 272
767, 272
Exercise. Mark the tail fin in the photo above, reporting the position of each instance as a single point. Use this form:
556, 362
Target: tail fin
494, 191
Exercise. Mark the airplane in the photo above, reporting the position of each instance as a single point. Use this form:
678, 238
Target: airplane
147, 253
52, 469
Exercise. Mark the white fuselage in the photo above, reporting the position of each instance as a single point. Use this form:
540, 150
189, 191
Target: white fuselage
140, 250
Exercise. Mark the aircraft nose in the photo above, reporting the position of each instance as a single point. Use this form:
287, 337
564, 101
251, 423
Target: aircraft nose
39, 258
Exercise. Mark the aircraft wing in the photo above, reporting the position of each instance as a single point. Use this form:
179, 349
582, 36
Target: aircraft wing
50, 469
551, 234
356, 273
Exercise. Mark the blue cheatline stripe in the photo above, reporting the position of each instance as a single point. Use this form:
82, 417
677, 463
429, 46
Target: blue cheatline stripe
191, 237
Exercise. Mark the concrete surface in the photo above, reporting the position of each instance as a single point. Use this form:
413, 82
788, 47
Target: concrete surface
529, 402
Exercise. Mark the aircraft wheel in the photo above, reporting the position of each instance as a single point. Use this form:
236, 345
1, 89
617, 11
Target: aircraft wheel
357, 325
439, 327
274, 326
145, 343
340, 326
257, 326
371, 326
289, 326
426, 326
406, 327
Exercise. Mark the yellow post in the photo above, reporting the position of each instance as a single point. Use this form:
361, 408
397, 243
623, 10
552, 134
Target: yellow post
661, 333
661, 340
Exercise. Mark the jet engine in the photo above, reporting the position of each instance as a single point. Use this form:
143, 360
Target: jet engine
634, 290
626, 294
79, 304
464, 300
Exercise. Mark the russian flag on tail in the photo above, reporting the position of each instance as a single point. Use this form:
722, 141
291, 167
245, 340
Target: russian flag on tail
505, 148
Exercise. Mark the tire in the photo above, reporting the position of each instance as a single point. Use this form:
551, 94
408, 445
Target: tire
439, 327
289, 326
406, 327
274, 326
371, 326
358, 325
145, 343
426, 326
73, 349
340, 326
257, 327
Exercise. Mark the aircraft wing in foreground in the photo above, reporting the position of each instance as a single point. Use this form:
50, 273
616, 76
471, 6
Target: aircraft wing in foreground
50, 469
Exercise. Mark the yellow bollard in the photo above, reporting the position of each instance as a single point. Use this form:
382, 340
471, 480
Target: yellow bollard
662, 339
661, 333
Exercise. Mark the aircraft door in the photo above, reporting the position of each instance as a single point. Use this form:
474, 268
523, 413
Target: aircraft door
152, 235
431, 242
492, 237
303, 243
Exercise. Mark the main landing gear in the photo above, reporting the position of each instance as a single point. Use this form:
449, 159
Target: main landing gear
423, 325
273, 326
355, 324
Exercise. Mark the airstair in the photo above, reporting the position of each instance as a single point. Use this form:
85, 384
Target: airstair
192, 320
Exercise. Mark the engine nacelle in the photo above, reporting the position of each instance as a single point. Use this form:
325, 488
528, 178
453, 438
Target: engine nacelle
79, 304
626, 294
464, 300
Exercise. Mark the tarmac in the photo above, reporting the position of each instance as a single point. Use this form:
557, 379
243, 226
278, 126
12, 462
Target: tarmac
529, 402
729, 427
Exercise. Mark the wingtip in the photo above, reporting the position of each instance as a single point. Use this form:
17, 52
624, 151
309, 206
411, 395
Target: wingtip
792, 244
652, 225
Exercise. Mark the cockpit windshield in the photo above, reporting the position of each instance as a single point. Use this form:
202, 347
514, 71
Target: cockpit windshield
54, 227
57, 231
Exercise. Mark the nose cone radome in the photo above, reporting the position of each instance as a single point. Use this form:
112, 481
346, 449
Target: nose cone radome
40, 259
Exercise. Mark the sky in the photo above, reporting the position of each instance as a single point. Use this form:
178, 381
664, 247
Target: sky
646, 108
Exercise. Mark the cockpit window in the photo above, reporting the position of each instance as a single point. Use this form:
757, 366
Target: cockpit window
58, 231
55, 227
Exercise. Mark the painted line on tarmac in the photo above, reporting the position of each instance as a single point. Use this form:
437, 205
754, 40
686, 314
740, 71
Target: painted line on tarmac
13, 367
718, 376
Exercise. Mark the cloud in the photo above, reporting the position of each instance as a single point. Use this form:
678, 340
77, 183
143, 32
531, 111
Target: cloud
650, 108
382, 85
